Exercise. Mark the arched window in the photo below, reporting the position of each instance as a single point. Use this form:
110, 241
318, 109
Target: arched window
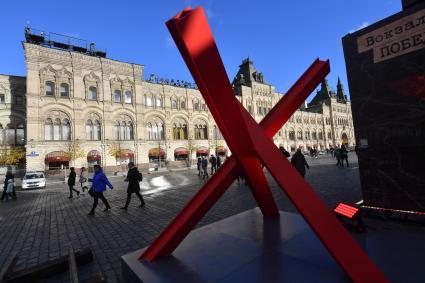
183, 132
183, 104
217, 133
117, 130
155, 131
57, 130
48, 130
173, 104
175, 132
292, 135
148, 101
97, 131
196, 130
201, 130
20, 135
128, 97
204, 107
89, 130
66, 130
64, 90
320, 136
117, 95
10, 135
1, 135
158, 102
205, 132
50, 88
122, 130
314, 135
149, 130
92, 93
129, 131
307, 135
161, 131
196, 106
299, 135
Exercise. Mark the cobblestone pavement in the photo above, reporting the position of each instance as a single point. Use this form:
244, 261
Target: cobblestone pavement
41, 223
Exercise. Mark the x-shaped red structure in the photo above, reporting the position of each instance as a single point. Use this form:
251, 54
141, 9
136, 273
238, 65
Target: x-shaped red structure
251, 145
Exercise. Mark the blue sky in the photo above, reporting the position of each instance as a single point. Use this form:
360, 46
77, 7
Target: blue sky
281, 37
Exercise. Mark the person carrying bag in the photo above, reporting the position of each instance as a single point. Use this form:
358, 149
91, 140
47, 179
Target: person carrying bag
100, 181
133, 179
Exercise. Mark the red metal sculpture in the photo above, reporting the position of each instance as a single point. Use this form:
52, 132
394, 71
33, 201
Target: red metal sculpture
251, 145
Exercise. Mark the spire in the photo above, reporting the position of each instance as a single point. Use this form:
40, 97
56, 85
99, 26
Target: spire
322, 95
340, 93
325, 90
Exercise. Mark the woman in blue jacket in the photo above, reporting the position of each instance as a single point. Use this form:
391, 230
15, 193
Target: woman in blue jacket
99, 185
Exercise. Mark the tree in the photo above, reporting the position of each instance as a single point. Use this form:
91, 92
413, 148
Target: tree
12, 156
116, 151
74, 151
191, 148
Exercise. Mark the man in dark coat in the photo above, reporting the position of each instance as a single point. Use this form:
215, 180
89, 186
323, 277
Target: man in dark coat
71, 182
218, 161
213, 161
199, 165
8, 176
344, 155
133, 179
299, 162
204, 168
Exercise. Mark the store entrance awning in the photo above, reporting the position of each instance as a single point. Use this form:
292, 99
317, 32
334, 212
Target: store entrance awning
221, 149
202, 150
155, 152
94, 155
181, 151
57, 156
126, 153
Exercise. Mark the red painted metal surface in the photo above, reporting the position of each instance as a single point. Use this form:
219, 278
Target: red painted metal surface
251, 144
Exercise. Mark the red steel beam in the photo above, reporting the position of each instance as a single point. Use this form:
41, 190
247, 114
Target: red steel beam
196, 43
215, 187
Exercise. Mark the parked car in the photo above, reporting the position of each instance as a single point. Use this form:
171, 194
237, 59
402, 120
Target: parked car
34, 180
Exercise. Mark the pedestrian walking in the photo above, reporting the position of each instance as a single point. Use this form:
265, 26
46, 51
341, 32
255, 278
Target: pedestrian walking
133, 179
100, 182
338, 156
9, 189
218, 161
299, 162
71, 182
199, 166
83, 179
8, 176
213, 161
205, 168
344, 155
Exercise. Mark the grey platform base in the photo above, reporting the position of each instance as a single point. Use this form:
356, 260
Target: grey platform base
247, 248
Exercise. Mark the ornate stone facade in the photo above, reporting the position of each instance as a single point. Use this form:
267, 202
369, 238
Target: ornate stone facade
100, 103
12, 111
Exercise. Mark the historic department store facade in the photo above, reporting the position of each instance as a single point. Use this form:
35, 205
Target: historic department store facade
71, 97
